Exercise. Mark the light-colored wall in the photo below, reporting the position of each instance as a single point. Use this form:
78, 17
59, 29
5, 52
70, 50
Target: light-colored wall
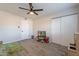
42, 24
9, 31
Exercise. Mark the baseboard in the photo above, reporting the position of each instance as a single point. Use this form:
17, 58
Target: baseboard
14, 41
60, 44
77, 33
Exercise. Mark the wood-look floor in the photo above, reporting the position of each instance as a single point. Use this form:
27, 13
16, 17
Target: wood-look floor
34, 48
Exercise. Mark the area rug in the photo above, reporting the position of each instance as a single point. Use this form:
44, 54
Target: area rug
10, 49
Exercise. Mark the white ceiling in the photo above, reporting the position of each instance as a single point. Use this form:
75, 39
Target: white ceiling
48, 8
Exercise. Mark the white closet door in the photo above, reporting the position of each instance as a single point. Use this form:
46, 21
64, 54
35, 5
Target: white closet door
55, 31
68, 29
63, 30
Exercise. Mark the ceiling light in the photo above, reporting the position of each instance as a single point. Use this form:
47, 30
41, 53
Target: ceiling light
31, 13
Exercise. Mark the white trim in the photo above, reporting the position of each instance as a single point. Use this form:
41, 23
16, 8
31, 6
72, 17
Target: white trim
65, 13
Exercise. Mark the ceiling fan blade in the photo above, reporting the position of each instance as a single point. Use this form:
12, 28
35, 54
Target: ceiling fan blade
35, 13
30, 5
23, 8
38, 10
28, 13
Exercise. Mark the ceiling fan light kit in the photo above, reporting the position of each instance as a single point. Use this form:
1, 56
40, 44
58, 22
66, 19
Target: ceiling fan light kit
31, 13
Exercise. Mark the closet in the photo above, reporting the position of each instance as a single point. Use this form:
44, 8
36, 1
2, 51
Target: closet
56, 30
63, 29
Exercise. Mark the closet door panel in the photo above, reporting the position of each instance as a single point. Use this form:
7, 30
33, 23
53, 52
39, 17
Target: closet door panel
55, 30
68, 28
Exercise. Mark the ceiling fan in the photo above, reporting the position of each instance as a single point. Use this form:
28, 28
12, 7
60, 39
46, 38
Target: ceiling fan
31, 9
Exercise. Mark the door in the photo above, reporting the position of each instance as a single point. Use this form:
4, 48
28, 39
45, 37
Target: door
56, 31
68, 29
26, 29
63, 30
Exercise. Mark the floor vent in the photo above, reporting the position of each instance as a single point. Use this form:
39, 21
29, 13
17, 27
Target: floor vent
73, 46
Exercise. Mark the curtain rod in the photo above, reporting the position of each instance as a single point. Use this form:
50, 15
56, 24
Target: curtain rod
65, 15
